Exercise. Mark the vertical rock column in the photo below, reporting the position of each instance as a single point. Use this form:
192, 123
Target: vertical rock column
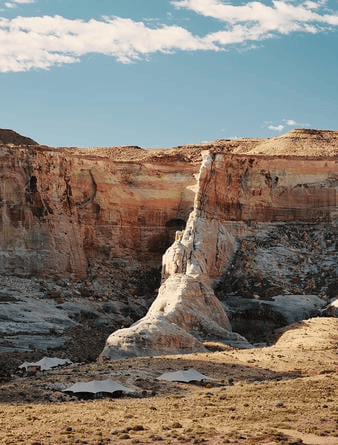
186, 312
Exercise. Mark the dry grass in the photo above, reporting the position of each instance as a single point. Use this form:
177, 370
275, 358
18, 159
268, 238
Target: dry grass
286, 393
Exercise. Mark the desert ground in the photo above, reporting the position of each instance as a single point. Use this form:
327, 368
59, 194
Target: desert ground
285, 393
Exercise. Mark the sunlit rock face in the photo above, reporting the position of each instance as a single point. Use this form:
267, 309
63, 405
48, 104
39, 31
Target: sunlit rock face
238, 197
269, 189
254, 225
84, 213
186, 301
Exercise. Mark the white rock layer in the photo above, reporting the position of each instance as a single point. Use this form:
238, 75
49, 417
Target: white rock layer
186, 311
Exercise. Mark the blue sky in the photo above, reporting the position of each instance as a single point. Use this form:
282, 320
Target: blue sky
160, 73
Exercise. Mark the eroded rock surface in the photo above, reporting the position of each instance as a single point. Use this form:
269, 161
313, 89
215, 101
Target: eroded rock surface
264, 224
238, 197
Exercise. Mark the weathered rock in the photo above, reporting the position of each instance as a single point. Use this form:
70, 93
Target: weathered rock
185, 313
262, 224
254, 193
186, 301
331, 310
11, 137
273, 259
103, 215
256, 318
32, 320
152, 335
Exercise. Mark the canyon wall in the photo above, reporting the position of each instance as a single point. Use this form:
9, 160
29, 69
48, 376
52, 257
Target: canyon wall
243, 223
270, 189
238, 197
81, 214
90, 214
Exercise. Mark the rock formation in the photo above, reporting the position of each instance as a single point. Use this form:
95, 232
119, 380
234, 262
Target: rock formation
238, 196
186, 311
104, 215
264, 224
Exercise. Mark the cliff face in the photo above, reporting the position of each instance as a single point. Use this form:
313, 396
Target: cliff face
248, 225
112, 213
75, 214
270, 189
247, 191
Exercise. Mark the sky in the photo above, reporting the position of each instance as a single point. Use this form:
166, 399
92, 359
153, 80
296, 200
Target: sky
162, 73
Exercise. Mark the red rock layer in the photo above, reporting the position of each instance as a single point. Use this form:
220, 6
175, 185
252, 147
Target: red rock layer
270, 189
65, 213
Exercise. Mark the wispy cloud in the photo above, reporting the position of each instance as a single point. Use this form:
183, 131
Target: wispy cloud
280, 126
15, 3
41, 42
256, 21
290, 122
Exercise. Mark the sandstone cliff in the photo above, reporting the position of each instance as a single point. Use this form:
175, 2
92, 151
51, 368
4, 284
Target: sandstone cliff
264, 222
90, 214
237, 196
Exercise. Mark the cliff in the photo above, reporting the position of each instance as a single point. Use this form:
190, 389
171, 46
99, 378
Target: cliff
239, 197
257, 218
90, 214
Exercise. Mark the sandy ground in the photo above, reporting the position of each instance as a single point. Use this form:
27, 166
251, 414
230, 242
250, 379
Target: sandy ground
286, 393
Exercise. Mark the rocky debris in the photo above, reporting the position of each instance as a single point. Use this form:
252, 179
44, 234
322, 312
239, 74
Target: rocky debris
39, 316
279, 260
283, 258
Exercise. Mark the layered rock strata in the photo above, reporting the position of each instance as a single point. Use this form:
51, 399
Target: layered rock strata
94, 224
237, 197
90, 214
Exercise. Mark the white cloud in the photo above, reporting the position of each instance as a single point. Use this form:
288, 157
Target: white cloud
23, 1
41, 42
258, 21
14, 3
276, 126
279, 127
293, 123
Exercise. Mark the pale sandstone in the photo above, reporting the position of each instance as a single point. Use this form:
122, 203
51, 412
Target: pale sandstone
230, 188
106, 215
